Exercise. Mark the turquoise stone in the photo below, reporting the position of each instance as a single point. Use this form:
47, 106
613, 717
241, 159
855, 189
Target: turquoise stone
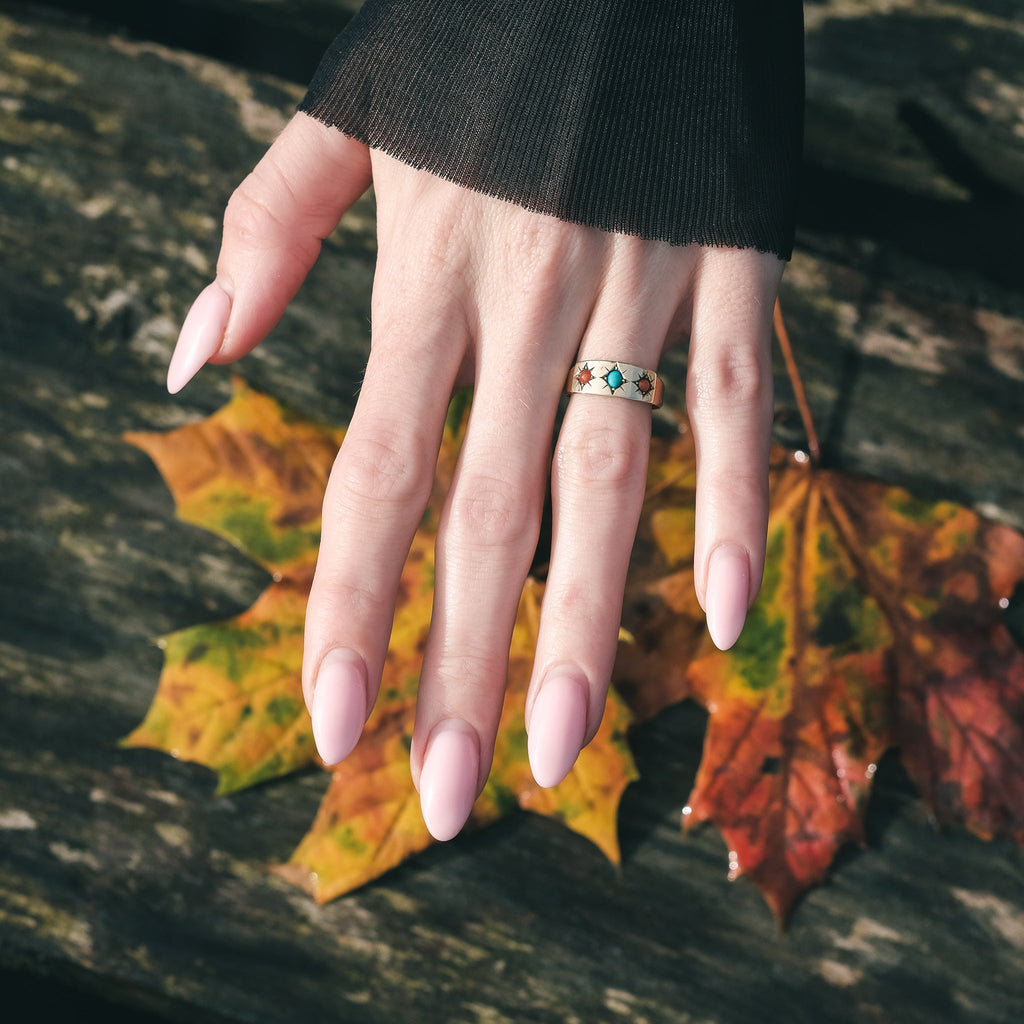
614, 379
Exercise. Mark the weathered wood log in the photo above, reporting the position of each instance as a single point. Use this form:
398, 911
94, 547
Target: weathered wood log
119, 870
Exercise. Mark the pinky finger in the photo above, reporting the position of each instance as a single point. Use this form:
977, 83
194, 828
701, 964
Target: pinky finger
729, 401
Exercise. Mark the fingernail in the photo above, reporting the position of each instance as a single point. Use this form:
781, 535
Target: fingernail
558, 727
727, 594
201, 335
448, 781
339, 705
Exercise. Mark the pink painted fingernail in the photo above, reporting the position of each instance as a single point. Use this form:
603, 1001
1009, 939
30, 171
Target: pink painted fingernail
448, 781
339, 705
201, 336
727, 594
558, 727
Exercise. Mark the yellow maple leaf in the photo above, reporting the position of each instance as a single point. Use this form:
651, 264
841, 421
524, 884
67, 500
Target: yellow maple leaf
230, 692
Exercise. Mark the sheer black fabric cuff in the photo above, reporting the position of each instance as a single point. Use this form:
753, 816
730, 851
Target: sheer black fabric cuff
677, 120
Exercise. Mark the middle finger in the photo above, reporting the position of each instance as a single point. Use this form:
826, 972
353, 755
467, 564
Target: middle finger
533, 312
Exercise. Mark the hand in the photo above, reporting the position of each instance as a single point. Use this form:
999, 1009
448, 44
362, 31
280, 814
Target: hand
472, 289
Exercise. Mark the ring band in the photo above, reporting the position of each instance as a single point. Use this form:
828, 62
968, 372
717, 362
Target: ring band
621, 380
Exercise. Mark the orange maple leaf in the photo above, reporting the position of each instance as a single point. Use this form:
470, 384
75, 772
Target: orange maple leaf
878, 625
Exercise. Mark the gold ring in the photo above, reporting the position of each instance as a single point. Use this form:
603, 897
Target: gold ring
619, 380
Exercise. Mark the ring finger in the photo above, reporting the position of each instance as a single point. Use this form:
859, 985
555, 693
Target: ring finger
598, 480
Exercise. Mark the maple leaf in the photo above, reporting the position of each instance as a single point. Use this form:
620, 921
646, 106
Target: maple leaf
879, 625
230, 694
660, 613
369, 820
253, 473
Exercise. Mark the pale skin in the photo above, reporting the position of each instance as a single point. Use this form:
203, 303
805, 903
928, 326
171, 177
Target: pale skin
470, 289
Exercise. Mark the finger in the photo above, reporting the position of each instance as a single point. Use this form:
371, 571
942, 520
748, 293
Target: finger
374, 501
385, 469
729, 401
531, 323
274, 225
598, 479
485, 545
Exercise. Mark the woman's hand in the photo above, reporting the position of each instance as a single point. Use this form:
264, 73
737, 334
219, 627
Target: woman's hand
473, 289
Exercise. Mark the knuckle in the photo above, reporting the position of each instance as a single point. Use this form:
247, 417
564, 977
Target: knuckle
444, 243
348, 600
533, 242
602, 456
469, 667
736, 376
573, 603
488, 511
263, 213
382, 470
537, 250
250, 218
440, 243
727, 487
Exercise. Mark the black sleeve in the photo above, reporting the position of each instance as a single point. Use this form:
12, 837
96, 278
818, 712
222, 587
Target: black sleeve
678, 120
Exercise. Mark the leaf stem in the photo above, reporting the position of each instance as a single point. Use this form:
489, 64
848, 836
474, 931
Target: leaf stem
813, 446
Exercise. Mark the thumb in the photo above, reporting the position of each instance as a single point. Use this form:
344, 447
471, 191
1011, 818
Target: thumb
273, 229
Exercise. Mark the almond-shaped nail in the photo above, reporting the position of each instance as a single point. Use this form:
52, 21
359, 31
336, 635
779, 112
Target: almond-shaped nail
201, 336
558, 727
448, 781
339, 705
727, 594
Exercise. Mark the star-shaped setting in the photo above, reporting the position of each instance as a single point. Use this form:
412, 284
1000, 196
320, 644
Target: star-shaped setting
584, 375
614, 379
644, 385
